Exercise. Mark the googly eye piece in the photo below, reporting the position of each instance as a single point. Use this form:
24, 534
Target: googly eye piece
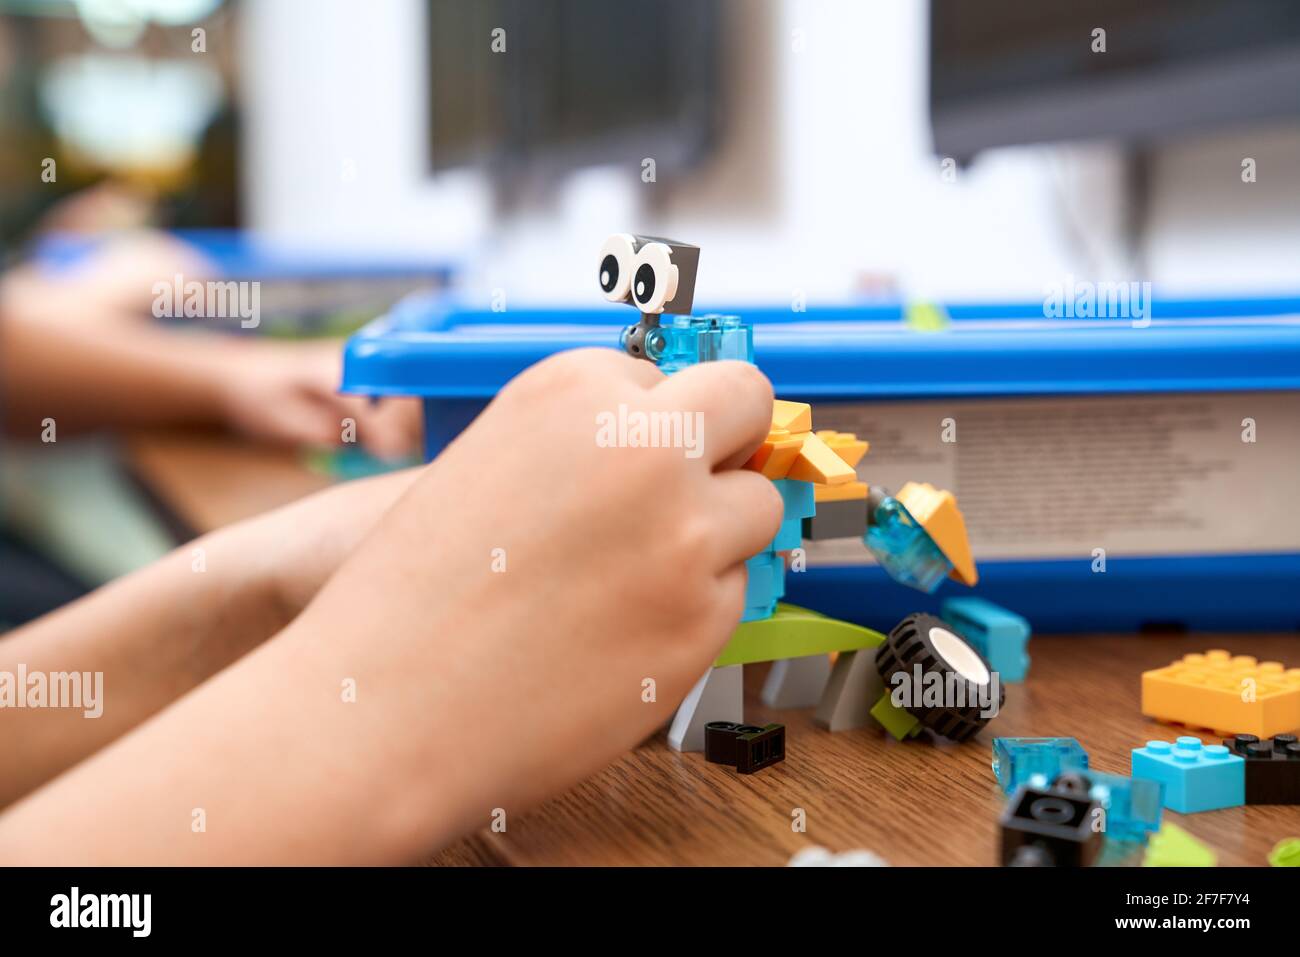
614, 269
654, 278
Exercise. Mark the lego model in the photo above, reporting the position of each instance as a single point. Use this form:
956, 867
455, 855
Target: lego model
746, 747
1196, 777
1225, 694
1174, 847
657, 276
918, 535
1035, 761
997, 634
1272, 767
1050, 828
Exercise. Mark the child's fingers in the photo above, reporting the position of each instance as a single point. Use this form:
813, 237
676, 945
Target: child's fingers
732, 583
749, 511
736, 402
643, 373
596, 364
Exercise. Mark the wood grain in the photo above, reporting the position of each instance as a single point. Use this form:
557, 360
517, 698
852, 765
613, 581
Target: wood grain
913, 803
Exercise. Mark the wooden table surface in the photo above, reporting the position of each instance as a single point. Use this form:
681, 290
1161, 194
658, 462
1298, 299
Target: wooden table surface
913, 803
210, 479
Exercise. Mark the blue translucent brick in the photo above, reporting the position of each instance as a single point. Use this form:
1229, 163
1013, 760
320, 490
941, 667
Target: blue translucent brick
997, 634
1132, 805
690, 340
903, 548
1197, 777
1035, 761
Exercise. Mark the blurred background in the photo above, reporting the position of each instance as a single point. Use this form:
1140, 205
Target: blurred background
802, 143
345, 154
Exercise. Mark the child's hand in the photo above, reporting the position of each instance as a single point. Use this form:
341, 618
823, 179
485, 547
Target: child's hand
536, 604
287, 392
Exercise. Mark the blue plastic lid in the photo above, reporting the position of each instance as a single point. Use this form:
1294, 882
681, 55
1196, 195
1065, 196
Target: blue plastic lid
426, 346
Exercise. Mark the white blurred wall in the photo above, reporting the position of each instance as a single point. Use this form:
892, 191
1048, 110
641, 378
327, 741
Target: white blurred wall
825, 184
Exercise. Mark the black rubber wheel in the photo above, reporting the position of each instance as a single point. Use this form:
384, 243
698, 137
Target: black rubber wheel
937, 647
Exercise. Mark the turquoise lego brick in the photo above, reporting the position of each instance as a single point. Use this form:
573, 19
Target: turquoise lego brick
789, 536
1132, 805
797, 497
997, 634
765, 585
1035, 761
690, 340
1196, 777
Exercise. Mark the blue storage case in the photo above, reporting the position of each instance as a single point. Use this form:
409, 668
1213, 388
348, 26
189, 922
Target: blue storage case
1225, 555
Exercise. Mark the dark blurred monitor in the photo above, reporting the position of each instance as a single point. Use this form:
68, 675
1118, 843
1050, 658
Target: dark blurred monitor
1006, 72
580, 82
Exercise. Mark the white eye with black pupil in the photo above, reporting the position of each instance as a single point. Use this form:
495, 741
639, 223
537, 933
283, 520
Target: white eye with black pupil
645, 282
655, 281
615, 272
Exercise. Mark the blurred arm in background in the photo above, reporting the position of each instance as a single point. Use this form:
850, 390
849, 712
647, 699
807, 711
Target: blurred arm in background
84, 351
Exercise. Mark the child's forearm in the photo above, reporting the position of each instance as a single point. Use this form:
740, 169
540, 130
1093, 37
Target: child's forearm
134, 646
85, 376
158, 633
275, 760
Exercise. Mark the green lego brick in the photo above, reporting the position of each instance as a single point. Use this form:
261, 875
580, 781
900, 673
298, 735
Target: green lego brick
1174, 847
794, 632
926, 317
901, 724
1286, 853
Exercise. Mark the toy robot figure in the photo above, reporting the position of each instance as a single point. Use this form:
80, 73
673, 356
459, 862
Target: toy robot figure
657, 276
918, 536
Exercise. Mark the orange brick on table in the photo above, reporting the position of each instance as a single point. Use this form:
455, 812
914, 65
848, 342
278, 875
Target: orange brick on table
1224, 693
